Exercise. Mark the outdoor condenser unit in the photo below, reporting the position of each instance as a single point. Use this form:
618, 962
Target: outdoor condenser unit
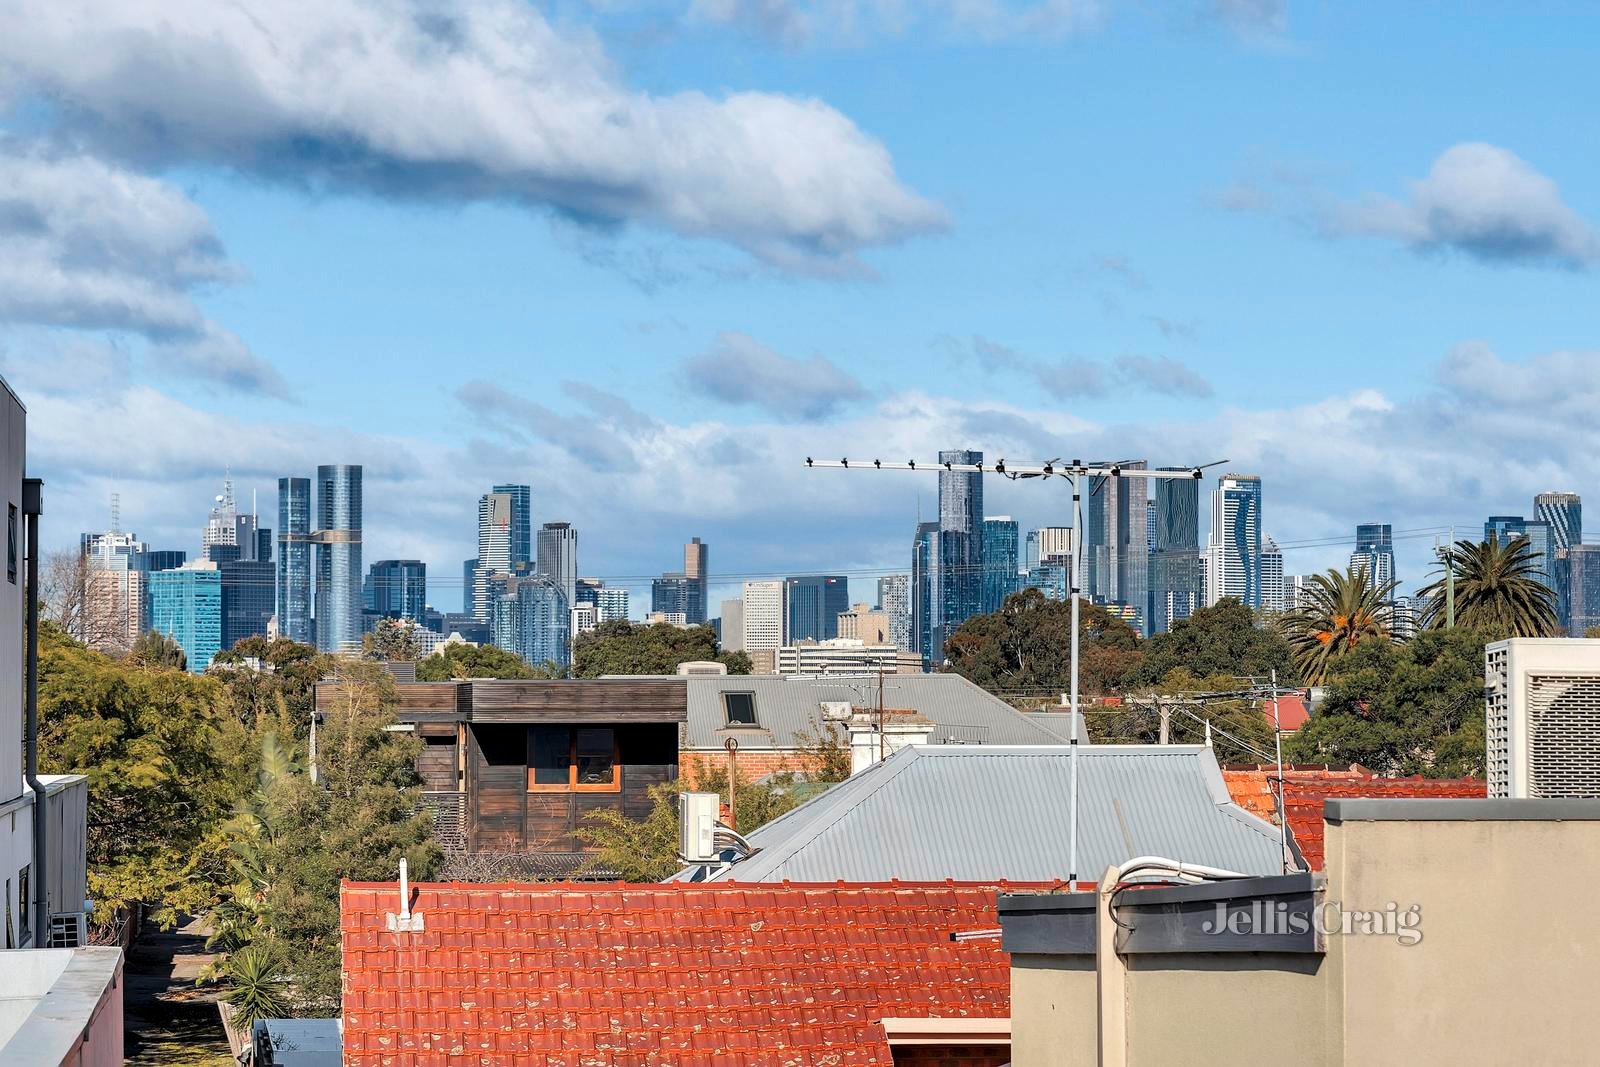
697, 826
1542, 707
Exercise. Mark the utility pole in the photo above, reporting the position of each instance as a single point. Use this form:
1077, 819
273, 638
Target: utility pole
1074, 472
1450, 582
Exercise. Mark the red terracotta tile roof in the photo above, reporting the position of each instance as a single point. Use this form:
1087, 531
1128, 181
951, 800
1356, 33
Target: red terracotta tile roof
1306, 787
1294, 711
580, 975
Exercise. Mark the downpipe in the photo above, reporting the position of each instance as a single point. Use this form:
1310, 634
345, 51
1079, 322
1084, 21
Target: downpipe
32, 508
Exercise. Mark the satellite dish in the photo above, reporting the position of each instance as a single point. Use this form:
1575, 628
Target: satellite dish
218, 498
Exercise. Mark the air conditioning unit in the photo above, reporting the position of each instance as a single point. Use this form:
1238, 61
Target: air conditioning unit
1542, 718
697, 827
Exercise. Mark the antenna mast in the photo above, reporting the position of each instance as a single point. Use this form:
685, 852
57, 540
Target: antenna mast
116, 512
1074, 472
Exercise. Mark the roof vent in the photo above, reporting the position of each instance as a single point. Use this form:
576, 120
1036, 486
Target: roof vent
407, 921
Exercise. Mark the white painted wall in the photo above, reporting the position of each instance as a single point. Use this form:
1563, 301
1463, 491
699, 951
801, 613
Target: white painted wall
16, 814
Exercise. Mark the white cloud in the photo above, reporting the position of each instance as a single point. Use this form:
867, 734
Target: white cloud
481, 101
1486, 202
801, 22
738, 369
1072, 377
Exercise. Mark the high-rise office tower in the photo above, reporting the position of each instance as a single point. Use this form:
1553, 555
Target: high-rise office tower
1116, 549
1563, 512
247, 597
958, 560
1274, 591
222, 524
165, 559
397, 589
293, 601
815, 602
731, 632
610, 604
115, 609
1583, 588
894, 600
1000, 535
338, 556
1541, 543
696, 568
1177, 583
469, 570
1374, 554
186, 605
1233, 552
557, 556
924, 591
1045, 542
766, 616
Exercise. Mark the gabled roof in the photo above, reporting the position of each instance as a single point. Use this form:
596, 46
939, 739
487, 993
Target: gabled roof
787, 707
692, 976
983, 813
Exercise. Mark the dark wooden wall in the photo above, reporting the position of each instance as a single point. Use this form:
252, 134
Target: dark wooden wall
596, 700
505, 817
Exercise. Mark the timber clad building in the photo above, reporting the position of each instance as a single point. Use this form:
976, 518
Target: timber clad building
516, 766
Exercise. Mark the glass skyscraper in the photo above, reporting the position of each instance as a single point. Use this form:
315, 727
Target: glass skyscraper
247, 598
922, 592
532, 618
557, 553
293, 601
815, 603
338, 541
894, 600
1233, 554
1374, 554
1000, 537
1177, 583
505, 539
1116, 547
186, 605
1564, 513
1541, 542
958, 561
397, 589
1583, 588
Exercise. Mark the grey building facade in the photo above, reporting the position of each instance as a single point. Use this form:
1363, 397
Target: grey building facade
397, 589
1177, 581
338, 558
815, 603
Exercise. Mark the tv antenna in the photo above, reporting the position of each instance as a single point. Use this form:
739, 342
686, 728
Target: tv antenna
1074, 472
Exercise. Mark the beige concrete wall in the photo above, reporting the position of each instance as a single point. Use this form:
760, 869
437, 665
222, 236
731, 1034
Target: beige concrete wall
1242, 1010
1052, 1011
1509, 962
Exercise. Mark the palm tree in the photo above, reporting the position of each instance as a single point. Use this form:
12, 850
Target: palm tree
1499, 590
1340, 610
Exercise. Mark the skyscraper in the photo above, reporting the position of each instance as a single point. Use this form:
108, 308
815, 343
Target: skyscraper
338, 540
696, 568
557, 556
1045, 542
293, 601
469, 571
505, 536
1564, 514
247, 597
766, 616
958, 560
999, 561
815, 602
924, 550
1583, 590
116, 607
1541, 543
186, 605
894, 600
610, 604
222, 524
730, 629
397, 589
1116, 549
532, 619
1233, 553
1274, 591
1374, 554
1177, 585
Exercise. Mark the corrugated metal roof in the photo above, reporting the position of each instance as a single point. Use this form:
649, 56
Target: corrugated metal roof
975, 814
786, 707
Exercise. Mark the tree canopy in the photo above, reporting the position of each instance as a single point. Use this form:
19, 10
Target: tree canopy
459, 660
1342, 609
1412, 708
623, 647
1223, 639
1025, 647
1499, 591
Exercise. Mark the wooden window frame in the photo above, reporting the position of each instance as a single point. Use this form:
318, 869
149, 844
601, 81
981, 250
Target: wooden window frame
572, 785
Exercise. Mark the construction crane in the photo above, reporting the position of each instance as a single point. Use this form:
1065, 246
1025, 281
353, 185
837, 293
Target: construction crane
1074, 472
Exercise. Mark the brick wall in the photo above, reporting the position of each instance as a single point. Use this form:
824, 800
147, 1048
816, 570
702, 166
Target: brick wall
752, 765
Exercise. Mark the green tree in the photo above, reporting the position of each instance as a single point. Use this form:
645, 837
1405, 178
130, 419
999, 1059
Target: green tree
454, 662
825, 753
1341, 610
1499, 590
1025, 647
271, 685
1241, 731
623, 647
157, 651
1224, 639
394, 640
1415, 708
165, 766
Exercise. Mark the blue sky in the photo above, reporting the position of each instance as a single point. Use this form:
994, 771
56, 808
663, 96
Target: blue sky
647, 256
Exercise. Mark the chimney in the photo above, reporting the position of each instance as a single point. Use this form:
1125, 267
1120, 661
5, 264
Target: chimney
900, 728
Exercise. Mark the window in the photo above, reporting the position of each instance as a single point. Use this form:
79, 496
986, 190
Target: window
24, 930
11, 543
741, 708
567, 758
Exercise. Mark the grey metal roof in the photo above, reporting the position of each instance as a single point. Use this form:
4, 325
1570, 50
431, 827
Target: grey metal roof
970, 813
786, 707
298, 1042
